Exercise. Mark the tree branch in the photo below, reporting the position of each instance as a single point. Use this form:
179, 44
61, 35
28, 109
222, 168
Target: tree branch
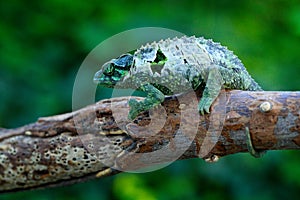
99, 140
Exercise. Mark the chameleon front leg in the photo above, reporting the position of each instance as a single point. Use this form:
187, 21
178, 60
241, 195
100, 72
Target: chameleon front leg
154, 97
212, 89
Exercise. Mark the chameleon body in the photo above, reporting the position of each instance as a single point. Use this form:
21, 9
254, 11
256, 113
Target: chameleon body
174, 66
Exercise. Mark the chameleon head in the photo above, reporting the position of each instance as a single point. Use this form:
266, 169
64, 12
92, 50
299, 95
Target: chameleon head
114, 71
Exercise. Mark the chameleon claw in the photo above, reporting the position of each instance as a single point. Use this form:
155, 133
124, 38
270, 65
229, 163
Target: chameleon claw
206, 109
204, 106
203, 111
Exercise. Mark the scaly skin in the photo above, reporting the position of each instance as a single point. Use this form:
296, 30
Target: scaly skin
174, 66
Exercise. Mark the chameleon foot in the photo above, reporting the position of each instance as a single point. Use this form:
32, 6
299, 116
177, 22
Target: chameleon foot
204, 105
154, 97
135, 108
255, 153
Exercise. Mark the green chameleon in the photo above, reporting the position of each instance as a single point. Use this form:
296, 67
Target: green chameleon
174, 66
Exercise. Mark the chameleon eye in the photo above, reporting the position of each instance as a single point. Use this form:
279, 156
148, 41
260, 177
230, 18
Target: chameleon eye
109, 69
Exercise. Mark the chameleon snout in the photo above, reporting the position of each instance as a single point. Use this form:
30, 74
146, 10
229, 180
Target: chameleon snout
97, 76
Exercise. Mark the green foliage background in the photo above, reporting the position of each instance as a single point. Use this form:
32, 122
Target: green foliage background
43, 43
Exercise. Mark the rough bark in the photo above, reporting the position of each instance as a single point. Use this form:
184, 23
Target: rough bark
74, 147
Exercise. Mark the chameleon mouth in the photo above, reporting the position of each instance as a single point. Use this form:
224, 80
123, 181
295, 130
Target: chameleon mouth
97, 76
103, 80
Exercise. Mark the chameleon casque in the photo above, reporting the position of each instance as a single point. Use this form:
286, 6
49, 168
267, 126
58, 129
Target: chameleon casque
174, 66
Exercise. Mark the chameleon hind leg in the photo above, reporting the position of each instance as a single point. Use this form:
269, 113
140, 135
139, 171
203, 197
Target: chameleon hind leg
154, 97
212, 89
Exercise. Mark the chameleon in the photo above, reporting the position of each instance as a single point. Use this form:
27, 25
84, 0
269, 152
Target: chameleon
173, 66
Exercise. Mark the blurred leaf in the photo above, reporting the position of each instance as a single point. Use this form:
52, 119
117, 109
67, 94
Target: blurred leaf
131, 186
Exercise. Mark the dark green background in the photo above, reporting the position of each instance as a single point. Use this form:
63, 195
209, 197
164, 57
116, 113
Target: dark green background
43, 44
